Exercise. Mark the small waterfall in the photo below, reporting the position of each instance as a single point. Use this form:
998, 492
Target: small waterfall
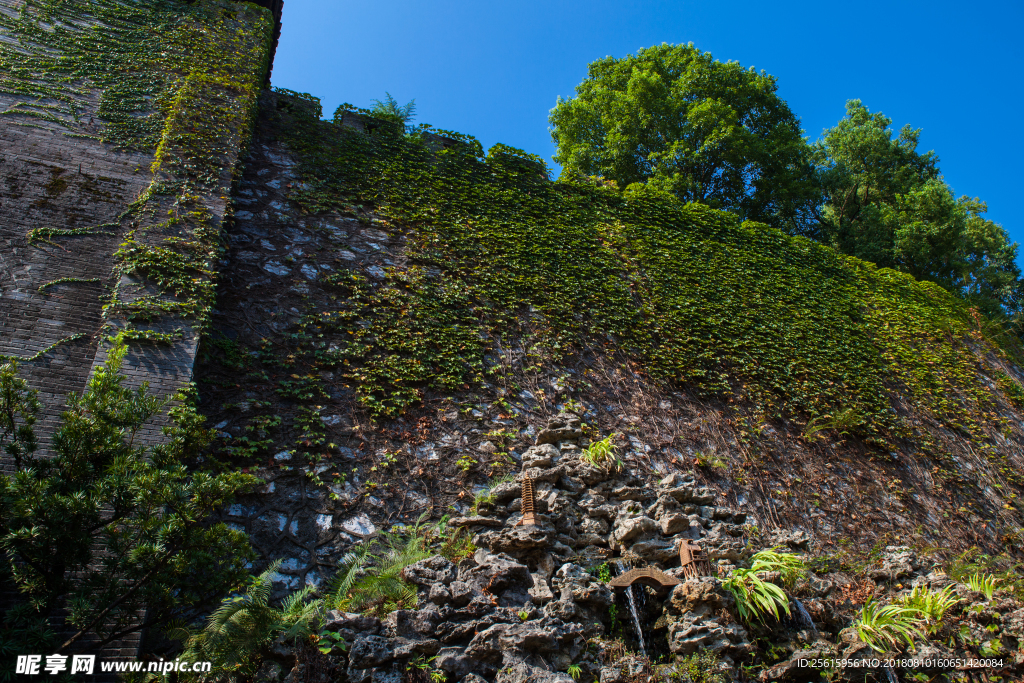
630, 595
802, 618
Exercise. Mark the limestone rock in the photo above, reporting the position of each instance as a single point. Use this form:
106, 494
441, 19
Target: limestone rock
405, 623
627, 529
370, 651
515, 540
701, 597
521, 672
454, 662
561, 428
574, 583
432, 570
672, 524
656, 550
541, 456
897, 562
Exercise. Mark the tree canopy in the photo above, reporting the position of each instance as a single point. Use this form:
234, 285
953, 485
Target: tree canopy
676, 120
671, 120
886, 202
107, 529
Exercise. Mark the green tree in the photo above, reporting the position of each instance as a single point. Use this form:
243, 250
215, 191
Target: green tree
18, 409
106, 529
887, 203
676, 120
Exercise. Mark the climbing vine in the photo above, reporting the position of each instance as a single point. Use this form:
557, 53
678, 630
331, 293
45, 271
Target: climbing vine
178, 80
786, 324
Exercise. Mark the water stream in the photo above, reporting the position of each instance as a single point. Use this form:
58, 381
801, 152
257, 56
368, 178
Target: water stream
630, 594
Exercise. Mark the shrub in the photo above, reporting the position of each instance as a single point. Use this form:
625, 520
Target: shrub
884, 628
108, 527
700, 667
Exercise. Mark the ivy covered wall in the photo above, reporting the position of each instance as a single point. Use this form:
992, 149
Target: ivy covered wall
121, 125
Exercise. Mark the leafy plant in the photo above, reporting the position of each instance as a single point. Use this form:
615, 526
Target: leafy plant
841, 421
755, 598
237, 631
982, 583
369, 577
931, 605
465, 462
710, 460
790, 567
884, 628
602, 454
486, 494
574, 671
328, 641
523, 615
613, 615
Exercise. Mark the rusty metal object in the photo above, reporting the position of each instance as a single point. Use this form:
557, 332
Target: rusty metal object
655, 578
529, 515
693, 560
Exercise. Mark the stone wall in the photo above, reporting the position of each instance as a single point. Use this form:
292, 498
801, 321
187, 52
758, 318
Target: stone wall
64, 179
95, 154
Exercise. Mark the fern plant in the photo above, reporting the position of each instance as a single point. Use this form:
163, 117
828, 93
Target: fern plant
885, 628
755, 598
392, 111
243, 625
982, 583
369, 577
930, 605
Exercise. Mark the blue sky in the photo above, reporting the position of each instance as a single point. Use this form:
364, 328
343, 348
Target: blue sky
494, 69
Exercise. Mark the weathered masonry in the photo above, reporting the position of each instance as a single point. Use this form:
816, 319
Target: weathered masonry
121, 129
121, 125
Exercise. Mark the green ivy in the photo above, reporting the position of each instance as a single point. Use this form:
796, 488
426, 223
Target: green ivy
788, 325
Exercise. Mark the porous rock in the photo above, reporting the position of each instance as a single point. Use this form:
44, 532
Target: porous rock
436, 569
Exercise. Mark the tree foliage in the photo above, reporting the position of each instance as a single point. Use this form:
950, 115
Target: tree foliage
887, 203
683, 124
107, 526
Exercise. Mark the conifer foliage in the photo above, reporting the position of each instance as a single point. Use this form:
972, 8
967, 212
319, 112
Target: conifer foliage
108, 526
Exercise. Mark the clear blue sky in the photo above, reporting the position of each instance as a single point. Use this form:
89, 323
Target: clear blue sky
494, 69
